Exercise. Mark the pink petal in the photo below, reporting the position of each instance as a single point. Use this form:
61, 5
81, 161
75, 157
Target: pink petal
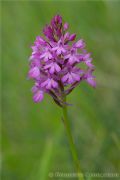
71, 60
38, 97
87, 56
48, 66
80, 44
72, 37
59, 51
52, 69
57, 68
67, 56
70, 79
54, 84
42, 55
50, 56
91, 81
75, 76
89, 64
55, 48
44, 83
64, 78
66, 26
34, 89
49, 85
63, 50
34, 72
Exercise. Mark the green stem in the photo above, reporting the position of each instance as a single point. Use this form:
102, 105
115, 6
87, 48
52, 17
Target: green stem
72, 145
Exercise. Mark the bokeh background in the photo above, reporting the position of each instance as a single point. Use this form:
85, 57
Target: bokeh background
34, 142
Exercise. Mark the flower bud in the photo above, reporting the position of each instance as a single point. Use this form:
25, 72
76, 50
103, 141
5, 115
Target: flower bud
66, 26
72, 37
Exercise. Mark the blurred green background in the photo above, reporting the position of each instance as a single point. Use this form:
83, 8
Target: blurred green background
34, 142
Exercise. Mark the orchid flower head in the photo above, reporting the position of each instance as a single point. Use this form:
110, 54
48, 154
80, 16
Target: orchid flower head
55, 62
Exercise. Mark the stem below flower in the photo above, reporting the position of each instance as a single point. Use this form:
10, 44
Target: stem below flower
72, 145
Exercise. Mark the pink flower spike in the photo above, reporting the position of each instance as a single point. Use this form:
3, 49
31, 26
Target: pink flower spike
55, 62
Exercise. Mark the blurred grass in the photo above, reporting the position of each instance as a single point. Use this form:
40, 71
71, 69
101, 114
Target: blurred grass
33, 137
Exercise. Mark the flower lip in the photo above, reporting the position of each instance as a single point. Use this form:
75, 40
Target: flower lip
80, 44
38, 96
34, 72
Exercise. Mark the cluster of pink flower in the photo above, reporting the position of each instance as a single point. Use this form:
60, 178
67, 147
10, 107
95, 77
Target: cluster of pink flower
54, 62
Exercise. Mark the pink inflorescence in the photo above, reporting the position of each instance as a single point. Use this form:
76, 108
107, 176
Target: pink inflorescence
55, 62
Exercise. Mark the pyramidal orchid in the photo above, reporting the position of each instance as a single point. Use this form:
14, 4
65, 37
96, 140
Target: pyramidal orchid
55, 67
